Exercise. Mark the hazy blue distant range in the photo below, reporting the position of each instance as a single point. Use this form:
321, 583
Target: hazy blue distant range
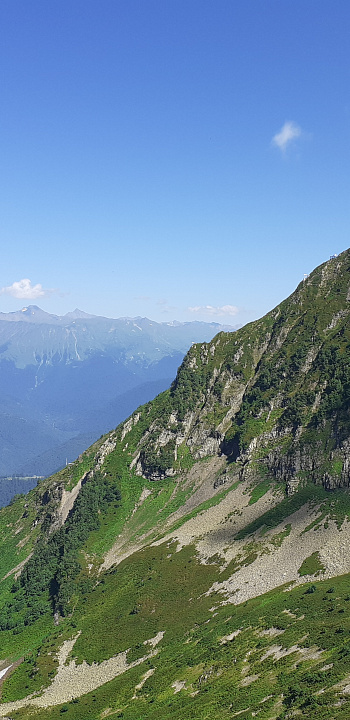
11, 486
65, 380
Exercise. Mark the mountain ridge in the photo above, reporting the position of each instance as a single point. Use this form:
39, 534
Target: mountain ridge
261, 400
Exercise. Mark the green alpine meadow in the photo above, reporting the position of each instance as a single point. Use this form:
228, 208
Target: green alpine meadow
194, 563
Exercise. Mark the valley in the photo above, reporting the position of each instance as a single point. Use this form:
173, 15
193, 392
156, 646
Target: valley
65, 380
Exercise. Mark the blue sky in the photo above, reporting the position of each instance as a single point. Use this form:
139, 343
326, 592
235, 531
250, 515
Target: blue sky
179, 159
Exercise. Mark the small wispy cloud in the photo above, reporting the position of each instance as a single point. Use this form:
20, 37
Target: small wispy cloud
143, 298
289, 132
24, 290
217, 311
164, 306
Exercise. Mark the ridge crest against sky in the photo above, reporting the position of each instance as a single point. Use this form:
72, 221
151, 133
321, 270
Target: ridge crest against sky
185, 160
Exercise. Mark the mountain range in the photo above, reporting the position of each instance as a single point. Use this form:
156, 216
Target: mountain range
193, 563
65, 380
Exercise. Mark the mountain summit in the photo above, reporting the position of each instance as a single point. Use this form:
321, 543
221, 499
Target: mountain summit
194, 563
31, 313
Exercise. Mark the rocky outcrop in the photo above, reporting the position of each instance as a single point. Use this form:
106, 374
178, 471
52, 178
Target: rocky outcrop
274, 394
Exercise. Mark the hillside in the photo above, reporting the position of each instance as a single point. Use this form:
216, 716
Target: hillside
65, 380
193, 563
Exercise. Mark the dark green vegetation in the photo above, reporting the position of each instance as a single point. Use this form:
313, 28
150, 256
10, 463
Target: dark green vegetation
55, 565
311, 565
198, 550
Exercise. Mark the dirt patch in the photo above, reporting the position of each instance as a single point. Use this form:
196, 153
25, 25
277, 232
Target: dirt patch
240, 712
278, 652
248, 680
202, 477
67, 501
16, 571
6, 670
227, 638
343, 686
270, 632
178, 685
214, 530
280, 565
288, 612
23, 542
140, 685
146, 492
73, 680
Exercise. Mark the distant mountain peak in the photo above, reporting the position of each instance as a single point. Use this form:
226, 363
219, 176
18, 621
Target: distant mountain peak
29, 313
77, 314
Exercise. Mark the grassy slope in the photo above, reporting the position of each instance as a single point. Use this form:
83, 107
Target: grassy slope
158, 588
213, 672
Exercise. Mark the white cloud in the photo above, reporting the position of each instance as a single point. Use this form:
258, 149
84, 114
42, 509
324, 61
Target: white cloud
290, 131
217, 311
164, 306
24, 290
143, 298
